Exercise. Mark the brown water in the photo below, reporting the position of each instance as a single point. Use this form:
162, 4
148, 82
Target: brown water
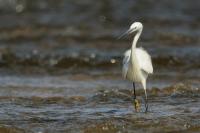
60, 66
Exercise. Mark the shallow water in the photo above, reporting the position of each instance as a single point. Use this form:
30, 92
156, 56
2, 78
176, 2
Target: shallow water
60, 66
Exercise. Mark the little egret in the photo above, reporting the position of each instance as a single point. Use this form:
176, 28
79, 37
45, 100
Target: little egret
137, 63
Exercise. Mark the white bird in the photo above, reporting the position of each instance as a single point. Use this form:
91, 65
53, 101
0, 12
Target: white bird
137, 64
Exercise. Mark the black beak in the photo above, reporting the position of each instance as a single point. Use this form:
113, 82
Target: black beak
126, 33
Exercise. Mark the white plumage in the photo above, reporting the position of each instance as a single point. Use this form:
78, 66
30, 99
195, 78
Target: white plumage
143, 58
137, 62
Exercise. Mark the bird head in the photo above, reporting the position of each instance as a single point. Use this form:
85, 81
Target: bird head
136, 26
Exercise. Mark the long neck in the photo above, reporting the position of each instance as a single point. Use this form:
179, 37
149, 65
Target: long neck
137, 36
133, 49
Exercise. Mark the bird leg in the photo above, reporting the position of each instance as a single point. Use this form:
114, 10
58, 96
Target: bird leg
146, 102
136, 102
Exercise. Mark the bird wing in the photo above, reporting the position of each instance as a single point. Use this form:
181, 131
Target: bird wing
126, 63
144, 60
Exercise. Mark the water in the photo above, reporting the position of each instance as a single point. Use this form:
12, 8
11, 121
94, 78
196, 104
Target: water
60, 66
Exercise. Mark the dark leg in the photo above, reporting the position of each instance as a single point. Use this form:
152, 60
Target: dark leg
146, 105
134, 91
146, 102
136, 103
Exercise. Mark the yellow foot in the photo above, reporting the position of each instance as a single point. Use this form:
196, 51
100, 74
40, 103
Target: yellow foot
137, 105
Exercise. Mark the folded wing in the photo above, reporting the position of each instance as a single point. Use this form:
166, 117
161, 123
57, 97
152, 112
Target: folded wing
144, 60
126, 63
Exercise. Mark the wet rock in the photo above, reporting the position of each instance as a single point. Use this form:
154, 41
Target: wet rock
4, 129
107, 127
183, 90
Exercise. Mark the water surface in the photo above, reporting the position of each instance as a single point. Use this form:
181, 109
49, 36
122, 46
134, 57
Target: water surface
60, 66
